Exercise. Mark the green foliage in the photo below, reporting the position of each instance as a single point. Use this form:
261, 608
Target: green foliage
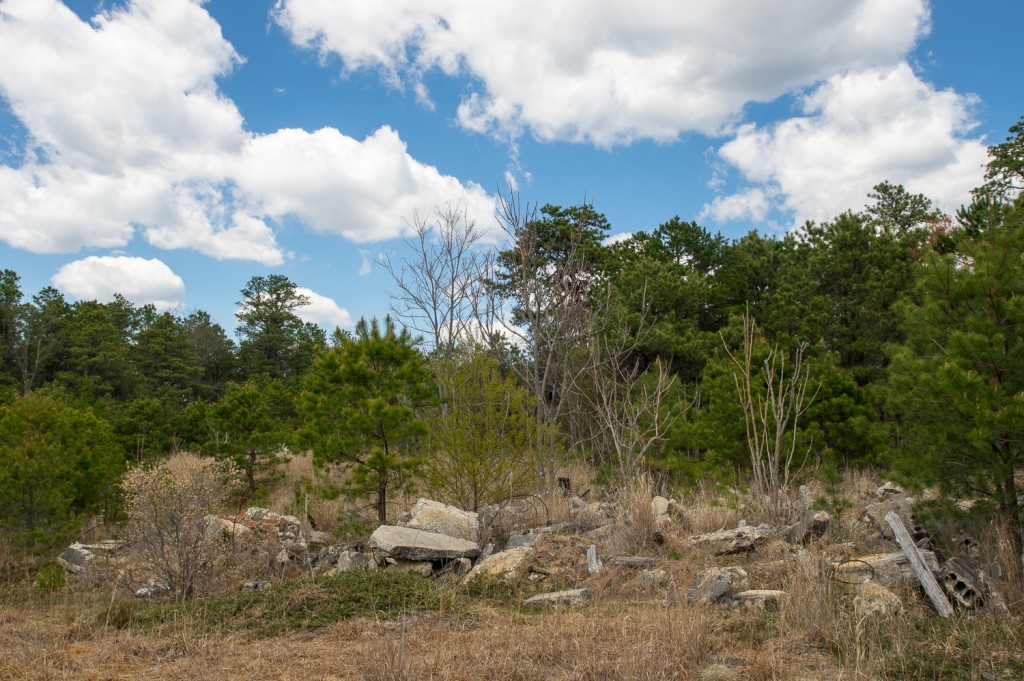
56, 463
669, 276
361, 403
251, 425
838, 289
304, 603
51, 577
1004, 175
482, 440
275, 342
213, 351
957, 383
895, 210
563, 242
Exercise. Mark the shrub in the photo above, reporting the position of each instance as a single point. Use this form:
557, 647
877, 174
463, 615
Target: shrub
167, 510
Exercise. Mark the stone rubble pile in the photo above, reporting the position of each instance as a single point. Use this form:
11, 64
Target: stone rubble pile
435, 539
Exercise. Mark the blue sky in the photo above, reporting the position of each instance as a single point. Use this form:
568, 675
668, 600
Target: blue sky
172, 149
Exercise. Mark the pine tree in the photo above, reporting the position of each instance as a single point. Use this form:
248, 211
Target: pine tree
361, 406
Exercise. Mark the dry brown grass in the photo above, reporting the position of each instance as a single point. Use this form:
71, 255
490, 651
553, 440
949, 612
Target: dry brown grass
629, 631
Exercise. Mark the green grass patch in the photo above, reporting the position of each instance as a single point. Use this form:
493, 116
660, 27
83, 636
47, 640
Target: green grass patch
301, 603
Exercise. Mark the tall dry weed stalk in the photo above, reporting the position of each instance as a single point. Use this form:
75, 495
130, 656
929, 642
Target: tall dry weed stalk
634, 522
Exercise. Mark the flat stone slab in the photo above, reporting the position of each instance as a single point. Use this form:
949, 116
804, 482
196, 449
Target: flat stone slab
761, 599
717, 585
874, 600
888, 569
406, 543
728, 542
433, 516
509, 565
570, 597
516, 541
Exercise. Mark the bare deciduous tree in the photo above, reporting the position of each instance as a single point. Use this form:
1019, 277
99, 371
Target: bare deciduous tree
771, 417
438, 286
539, 313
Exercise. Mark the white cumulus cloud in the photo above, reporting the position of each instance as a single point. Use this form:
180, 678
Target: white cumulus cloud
139, 280
749, 203
322, 310
604, 71
857, 129
130, 135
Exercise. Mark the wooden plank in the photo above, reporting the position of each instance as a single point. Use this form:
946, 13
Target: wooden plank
924, 575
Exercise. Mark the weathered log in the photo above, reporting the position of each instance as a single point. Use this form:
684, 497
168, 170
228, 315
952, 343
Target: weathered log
924, 575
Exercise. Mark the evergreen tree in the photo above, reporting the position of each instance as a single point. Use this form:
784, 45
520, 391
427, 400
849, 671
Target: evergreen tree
56, 463
361, 404
958, 381
251, 425
275, 342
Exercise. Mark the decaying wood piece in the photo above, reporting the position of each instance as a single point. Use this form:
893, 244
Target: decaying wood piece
924, 575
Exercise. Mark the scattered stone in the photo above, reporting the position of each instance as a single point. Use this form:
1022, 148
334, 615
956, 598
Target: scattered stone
460, 567
593, 562
433, 516
570, 598
350, 559
257, 585
760, 599
811, 526
406, 543
874, 600
888, 569
729, 542
890, 490
484, 553
339, 558
716, 585
521, 539
903, 507
154, 589
660, 508
424, 568
224, 527
78, 557
510, 565
288, 527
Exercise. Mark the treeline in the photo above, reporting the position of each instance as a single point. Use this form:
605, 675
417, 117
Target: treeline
886, 337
